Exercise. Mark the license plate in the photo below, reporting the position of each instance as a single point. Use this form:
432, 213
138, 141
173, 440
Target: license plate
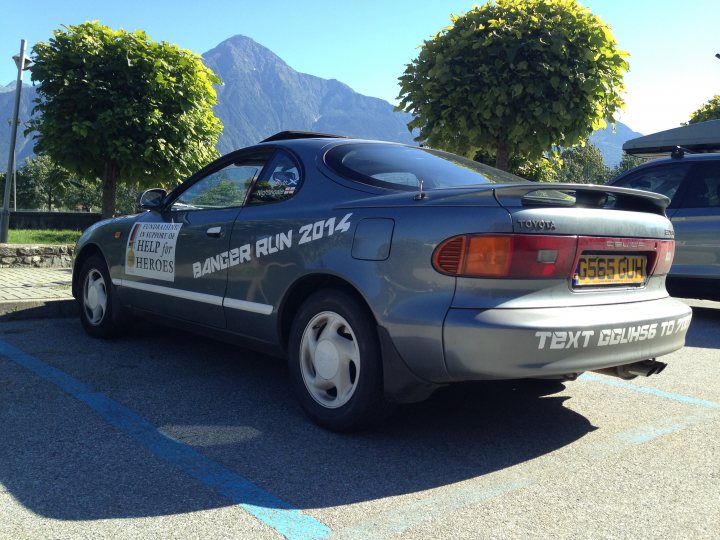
596, 270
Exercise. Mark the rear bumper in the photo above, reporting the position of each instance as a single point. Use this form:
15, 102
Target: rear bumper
542, 342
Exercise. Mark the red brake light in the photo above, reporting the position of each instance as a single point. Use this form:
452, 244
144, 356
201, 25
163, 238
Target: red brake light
665, 255
506, 255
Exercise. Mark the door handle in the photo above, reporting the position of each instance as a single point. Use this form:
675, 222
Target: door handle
214, 232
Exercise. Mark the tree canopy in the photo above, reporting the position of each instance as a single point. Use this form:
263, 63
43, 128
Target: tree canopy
119, 106
709, 111
47, 179
515, 77
583, 164
627, 162
41, 183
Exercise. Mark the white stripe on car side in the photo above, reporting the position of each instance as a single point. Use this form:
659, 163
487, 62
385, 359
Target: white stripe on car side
243, 305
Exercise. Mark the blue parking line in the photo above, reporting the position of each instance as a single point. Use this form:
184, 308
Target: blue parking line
619, 383
650, 432
274, 512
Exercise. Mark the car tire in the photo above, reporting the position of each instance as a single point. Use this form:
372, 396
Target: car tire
335, 362
98, 314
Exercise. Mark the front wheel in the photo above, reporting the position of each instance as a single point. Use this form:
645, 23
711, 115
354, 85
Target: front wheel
96, 300
335, 363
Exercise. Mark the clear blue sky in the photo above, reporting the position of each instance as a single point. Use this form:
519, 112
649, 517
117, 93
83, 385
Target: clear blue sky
367, 43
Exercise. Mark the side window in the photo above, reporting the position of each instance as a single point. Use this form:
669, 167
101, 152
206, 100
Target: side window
225, 188
704, 188
661, 179
280, 181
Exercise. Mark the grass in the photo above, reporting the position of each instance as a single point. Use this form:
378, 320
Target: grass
29, 236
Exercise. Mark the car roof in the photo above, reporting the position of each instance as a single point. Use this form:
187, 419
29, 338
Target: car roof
309, 139
708, 156
293, 135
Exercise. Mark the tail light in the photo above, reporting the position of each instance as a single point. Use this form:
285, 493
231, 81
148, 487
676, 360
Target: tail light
531, 256
665, 256
506, 255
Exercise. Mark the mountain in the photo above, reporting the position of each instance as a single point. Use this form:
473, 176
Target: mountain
23, 145
610, 144
262, 95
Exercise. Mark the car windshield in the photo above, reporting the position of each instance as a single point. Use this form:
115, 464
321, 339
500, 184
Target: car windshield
403, 167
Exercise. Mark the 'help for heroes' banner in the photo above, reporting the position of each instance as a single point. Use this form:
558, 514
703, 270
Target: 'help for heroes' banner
150, 250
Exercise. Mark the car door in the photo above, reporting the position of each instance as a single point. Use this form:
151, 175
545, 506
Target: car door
697, 224
169, 251
264, 248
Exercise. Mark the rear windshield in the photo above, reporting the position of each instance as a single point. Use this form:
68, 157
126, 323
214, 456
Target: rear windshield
403, 167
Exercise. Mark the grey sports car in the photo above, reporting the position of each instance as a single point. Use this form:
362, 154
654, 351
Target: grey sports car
385, 271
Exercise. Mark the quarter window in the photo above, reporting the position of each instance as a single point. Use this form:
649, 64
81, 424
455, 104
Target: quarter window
279, 183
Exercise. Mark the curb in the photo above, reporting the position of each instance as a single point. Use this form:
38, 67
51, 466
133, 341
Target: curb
37, 309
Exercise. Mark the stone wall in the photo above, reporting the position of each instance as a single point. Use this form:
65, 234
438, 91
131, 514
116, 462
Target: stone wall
38, 256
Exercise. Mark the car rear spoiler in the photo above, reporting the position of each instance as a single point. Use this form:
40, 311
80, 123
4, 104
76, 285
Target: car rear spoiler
581, 196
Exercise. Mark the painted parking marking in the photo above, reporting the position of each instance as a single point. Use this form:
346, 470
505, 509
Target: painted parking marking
397, 521
619, 383
442, 502
274, 512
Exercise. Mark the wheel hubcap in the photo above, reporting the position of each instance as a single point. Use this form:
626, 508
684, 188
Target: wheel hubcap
329, 360
94, 297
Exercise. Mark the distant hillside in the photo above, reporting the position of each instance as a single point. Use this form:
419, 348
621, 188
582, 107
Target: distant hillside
23, 146
610, 144
262, 95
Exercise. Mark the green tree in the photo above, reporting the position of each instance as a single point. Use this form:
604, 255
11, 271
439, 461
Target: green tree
46, 179
127, 198
28, 197
582, 165
709, 111
540, 170
515, 77
626, 163
86, 195
118, 106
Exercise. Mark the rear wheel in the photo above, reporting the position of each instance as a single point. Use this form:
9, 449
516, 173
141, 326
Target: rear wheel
97, 301
335, 363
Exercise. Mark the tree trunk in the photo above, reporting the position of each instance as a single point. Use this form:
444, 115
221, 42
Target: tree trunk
502, 156
110, 177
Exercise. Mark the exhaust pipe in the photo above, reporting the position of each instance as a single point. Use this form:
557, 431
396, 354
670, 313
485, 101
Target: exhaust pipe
630, 371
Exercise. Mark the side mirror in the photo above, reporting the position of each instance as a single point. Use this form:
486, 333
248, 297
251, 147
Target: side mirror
151, 199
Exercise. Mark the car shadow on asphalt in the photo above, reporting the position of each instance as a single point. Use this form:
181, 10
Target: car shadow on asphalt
233, 406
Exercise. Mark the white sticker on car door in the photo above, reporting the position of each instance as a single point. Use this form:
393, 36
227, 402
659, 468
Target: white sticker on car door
150, 250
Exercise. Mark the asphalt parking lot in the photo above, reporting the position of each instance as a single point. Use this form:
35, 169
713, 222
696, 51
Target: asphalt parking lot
166, 434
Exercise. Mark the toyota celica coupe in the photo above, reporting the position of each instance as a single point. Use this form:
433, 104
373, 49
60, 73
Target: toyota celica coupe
383, 271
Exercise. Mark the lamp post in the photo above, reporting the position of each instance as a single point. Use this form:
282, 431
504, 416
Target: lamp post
22, 62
